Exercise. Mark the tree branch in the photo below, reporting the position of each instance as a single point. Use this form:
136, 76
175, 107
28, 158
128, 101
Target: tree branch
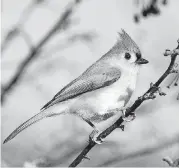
35, 50
149, 94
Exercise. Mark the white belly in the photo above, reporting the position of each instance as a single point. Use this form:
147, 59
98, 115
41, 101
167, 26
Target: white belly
114, 96
98, 102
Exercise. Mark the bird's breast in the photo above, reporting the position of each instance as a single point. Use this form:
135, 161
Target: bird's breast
111, 97
99, 102
118, 94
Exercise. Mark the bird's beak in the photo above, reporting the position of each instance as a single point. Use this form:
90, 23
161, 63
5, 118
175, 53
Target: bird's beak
142, 61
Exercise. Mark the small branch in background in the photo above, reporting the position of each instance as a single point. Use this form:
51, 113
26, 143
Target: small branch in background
151, 8
147, 150
12, 34
178, 97
34, 53
149, 94
27, 39
18, 28
8, 38
170, 162
175, 80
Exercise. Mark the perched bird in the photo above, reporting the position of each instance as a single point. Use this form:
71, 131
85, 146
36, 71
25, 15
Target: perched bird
95, 95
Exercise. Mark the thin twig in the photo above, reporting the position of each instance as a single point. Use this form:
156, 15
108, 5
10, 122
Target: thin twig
17, 28
147, 150
175, 80
170, 162
27, 39
178, 97
172, 81
149, 94
35, 51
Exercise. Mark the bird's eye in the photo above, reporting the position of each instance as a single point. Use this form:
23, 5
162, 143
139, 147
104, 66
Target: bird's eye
127, 56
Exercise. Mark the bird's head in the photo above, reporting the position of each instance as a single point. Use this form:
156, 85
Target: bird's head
127, 51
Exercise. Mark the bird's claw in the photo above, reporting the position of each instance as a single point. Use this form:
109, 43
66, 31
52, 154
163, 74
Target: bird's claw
94, 136
121, 127
133, 115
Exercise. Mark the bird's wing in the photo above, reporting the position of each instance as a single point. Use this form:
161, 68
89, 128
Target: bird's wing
92, 79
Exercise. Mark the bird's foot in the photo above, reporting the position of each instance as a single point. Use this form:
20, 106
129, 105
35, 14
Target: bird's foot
130, 118
121, 127
94, 136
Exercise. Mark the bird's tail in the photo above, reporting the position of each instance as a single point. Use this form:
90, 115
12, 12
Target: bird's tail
34, 119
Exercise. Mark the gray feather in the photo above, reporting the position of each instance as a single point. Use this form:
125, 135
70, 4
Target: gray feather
34, 119
95, 77
128, 43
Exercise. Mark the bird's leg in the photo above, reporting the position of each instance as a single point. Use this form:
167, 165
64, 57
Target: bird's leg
90, 123
133, 115
94, 134
116, 110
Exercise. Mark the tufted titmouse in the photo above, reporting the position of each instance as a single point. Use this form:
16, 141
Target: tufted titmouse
106, 85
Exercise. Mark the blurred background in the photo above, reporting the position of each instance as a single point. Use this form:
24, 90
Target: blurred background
47, 43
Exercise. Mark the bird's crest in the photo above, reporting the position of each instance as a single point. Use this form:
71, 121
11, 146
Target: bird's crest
128, 43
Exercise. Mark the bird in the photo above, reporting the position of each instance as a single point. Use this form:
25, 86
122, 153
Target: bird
94, 96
